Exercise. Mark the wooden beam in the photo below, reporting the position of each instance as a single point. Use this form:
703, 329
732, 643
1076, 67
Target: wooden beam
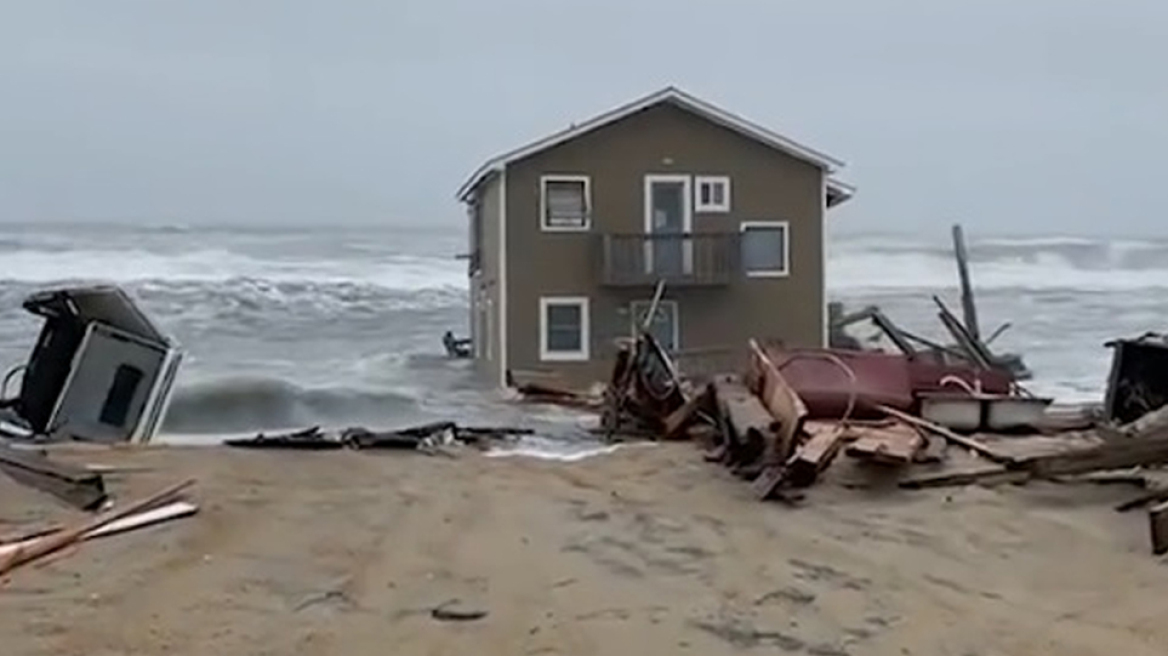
77, 486
1158, 523
960, 440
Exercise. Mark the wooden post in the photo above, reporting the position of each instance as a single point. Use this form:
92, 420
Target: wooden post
969, 307
1158, 522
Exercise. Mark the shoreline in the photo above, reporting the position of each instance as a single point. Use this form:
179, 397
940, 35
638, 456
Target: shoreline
345, 552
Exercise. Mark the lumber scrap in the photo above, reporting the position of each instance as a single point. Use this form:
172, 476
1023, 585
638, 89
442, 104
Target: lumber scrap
980, 473
142, 519
898, 444
781, 401
77, 486
308, 439
1158, 523
960, 440
749, 423
815, 455
1154, 496
46, 545
681, 419
1119, 454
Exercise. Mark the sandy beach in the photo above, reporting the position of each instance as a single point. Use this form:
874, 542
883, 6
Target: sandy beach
646, 550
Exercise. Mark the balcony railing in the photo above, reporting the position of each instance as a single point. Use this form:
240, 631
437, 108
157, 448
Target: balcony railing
679, 259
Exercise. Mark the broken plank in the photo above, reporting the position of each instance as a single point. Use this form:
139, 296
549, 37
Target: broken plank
1155, 496
750, 424
75, 485
679, 420
46, 545
1123, 454
1158, 523
960, 440
781, 401
157, 515
899, 444
981, 474
815, 455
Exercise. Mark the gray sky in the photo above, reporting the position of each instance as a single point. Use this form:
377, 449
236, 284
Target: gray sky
1012, 116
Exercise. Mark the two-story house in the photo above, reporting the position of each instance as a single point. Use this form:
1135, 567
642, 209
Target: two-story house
569, 235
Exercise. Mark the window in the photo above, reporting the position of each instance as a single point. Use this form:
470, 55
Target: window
711, 193
765, 248
116, 408
663, 328
565, 204
563, 328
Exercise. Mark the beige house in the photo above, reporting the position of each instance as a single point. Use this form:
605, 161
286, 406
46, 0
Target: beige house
569, 235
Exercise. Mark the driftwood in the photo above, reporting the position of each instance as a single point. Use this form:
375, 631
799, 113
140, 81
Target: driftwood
77, 486
46, 545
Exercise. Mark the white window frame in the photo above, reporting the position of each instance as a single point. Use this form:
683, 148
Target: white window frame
636, 325
786, 227
584, 353
722, 207
557, 177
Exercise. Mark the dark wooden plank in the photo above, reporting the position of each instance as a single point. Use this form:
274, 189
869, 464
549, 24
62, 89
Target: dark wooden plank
1158, 523
815, 455
75, 485
679, 420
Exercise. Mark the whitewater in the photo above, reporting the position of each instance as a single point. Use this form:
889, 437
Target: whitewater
287, 327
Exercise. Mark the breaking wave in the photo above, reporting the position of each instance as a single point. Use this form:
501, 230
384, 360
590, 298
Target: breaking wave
391, 271
241, 405
1036, 264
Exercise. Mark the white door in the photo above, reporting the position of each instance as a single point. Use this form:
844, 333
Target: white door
668, 223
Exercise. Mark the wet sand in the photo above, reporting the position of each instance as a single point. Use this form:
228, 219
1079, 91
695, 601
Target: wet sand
648, 550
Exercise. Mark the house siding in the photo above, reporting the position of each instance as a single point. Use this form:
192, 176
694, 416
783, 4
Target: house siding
766, 185
485, 287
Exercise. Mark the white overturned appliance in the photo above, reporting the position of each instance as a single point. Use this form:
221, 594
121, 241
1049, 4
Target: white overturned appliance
101, 371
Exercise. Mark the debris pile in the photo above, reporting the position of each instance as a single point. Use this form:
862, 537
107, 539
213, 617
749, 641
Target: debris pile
782, 421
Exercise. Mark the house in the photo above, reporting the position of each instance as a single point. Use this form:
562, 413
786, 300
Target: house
570, 234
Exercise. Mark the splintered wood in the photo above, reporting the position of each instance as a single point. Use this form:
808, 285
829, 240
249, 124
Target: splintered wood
891, 444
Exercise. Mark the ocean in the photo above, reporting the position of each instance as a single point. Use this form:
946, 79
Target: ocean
341, 326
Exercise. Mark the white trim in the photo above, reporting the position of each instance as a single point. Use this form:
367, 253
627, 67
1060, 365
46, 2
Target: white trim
711, 208
585, 332
686, 219
823, 205
786, 226
676, 318
556, 177
837, 192
671, 95
502, 336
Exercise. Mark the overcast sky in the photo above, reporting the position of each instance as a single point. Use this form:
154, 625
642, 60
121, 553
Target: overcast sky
1010, 115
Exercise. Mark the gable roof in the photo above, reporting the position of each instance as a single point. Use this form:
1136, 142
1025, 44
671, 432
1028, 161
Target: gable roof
679, 98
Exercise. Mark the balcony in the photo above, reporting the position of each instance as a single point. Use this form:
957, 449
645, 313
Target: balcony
689, 259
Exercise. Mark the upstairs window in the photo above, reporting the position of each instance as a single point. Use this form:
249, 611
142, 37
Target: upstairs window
766, 249
565, 205
711, 193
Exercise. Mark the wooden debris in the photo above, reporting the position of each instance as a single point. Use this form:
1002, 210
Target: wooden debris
897, 444
142, 519
1155, 496
781, 401
77, 486
309, 439
815, 455
679, 420
749, 424
1158, 523
960, 440
44, 546
978, 473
